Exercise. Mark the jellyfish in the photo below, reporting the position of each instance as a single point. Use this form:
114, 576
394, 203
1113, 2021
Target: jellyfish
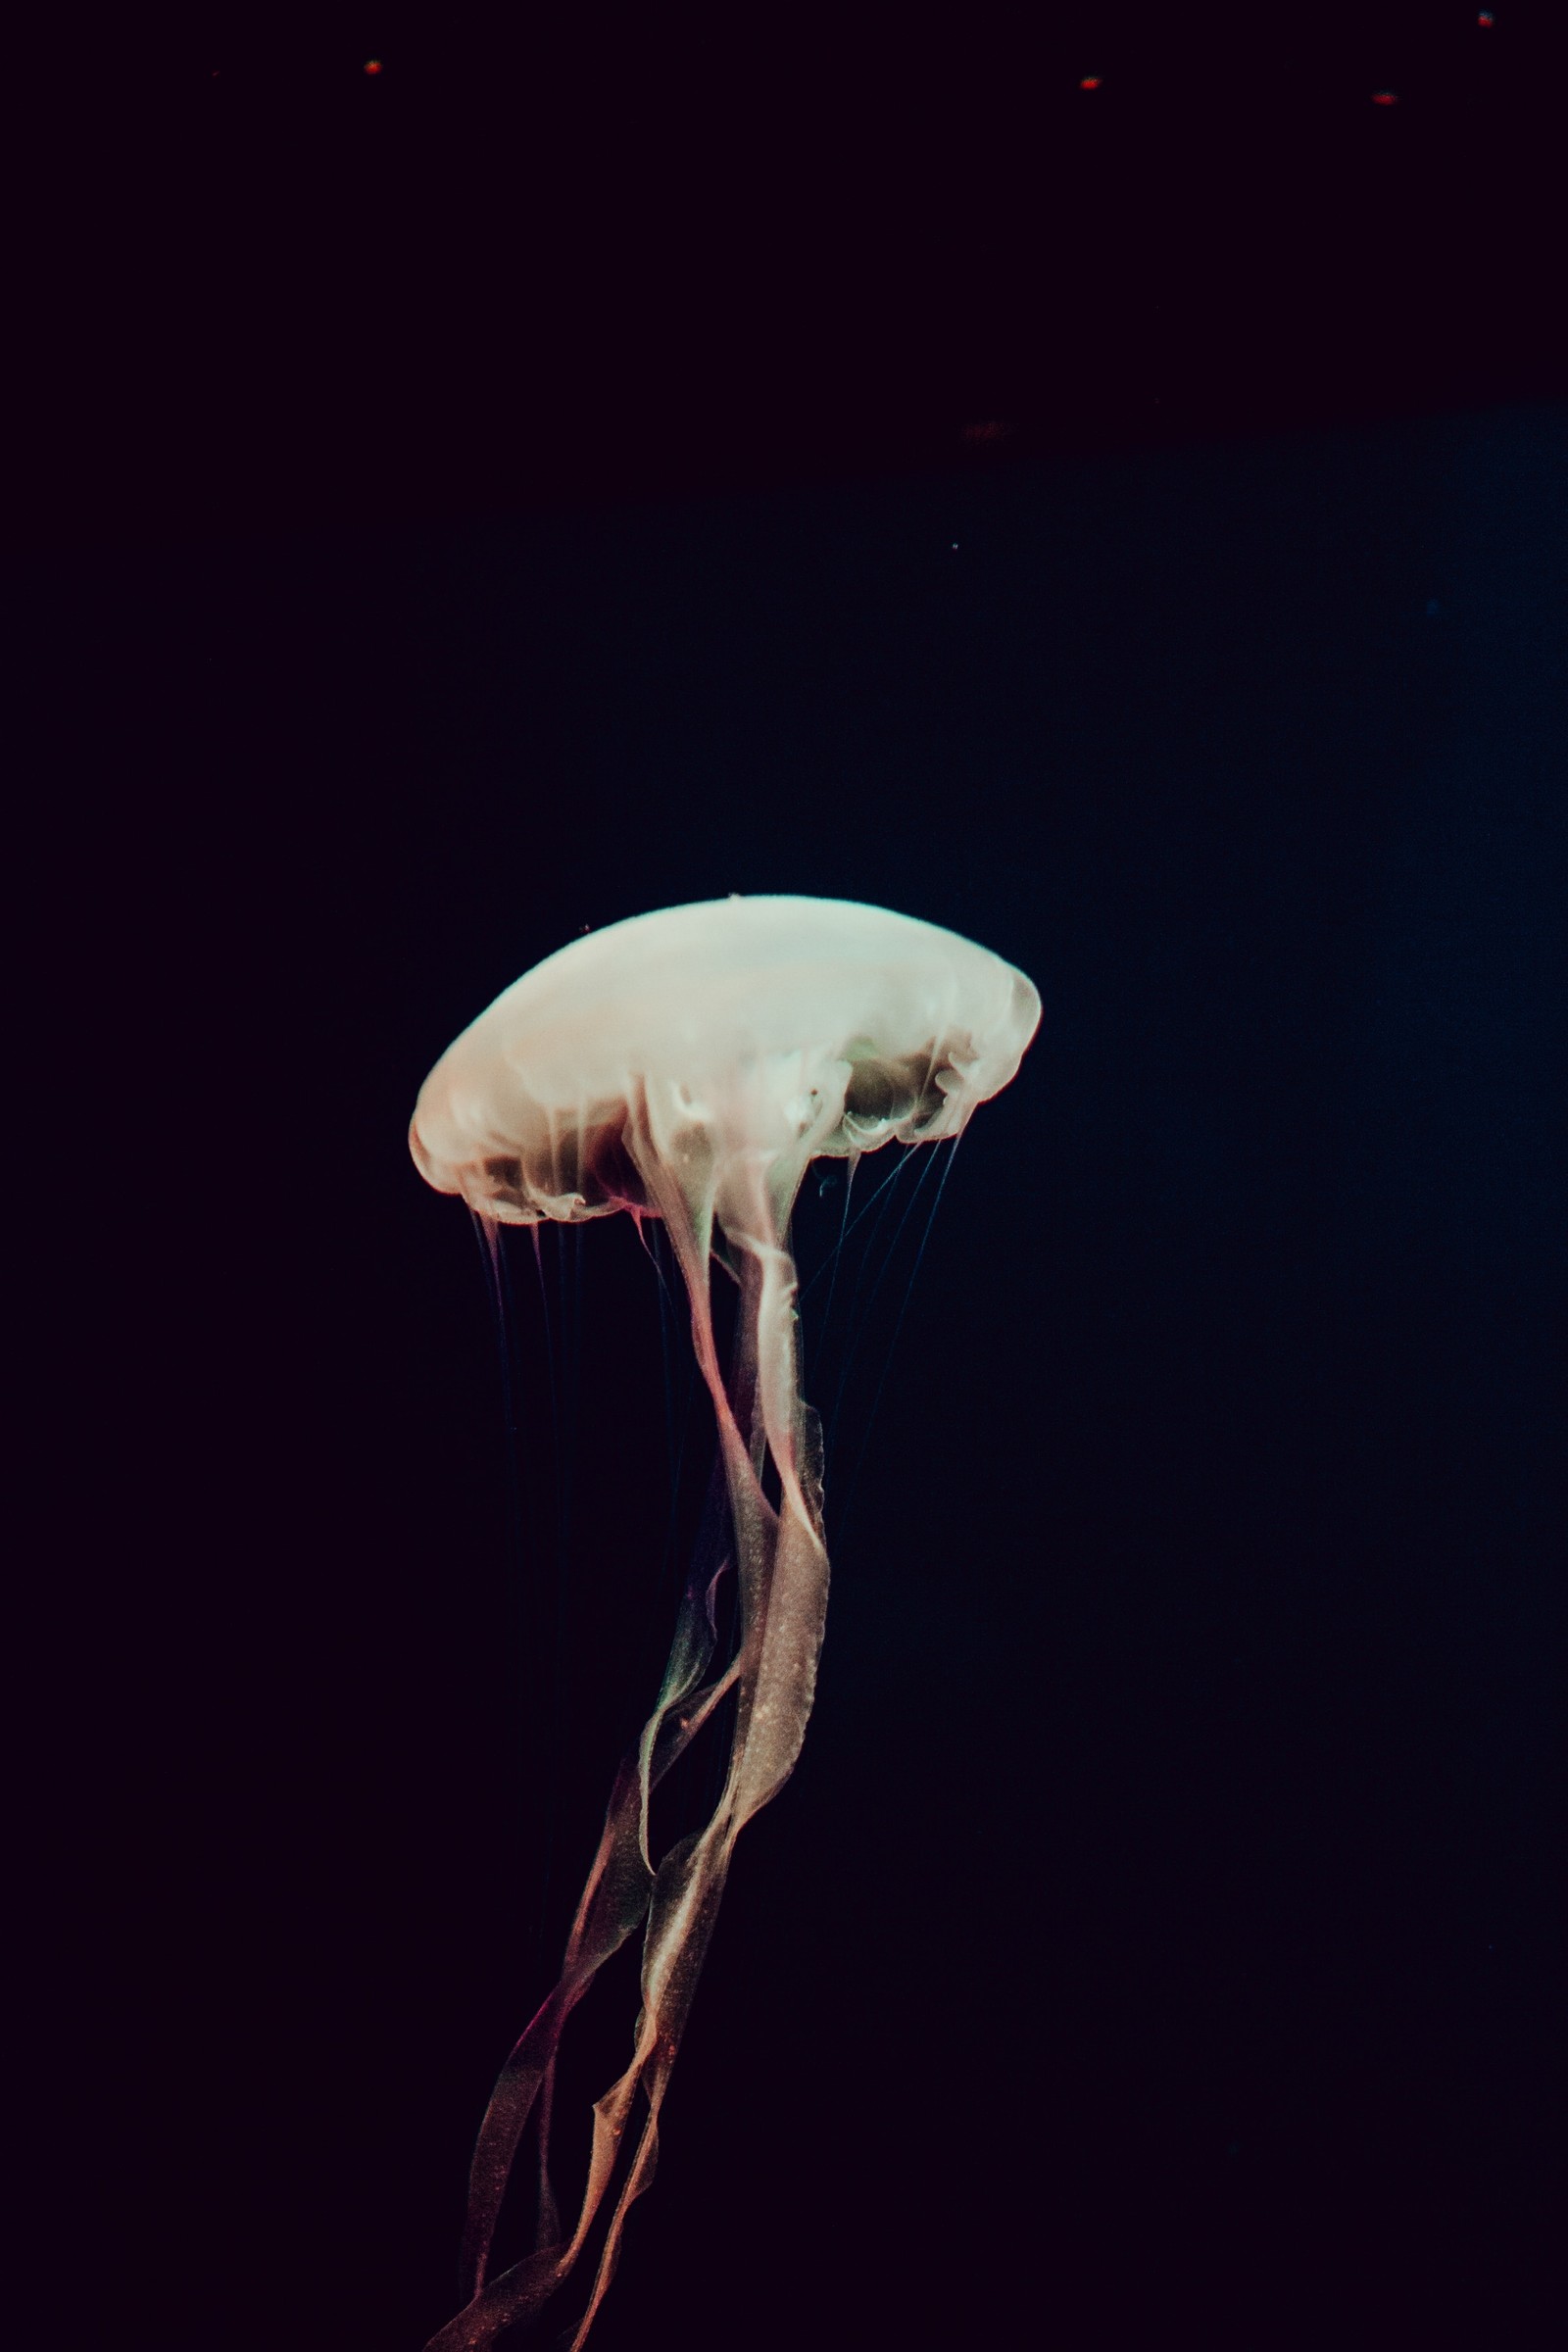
687, 1066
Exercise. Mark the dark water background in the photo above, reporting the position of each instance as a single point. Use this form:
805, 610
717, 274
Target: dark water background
1160, 1939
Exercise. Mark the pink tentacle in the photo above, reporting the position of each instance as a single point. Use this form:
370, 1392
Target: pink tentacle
781, 1566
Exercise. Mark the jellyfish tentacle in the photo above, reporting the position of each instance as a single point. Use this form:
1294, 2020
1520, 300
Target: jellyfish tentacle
684, 1189
613, 1905
664, 1737
784, 1606
677, 1943
793, 1603
781, 1567
682, 1908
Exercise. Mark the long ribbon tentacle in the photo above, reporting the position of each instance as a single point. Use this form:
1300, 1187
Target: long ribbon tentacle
781, 1569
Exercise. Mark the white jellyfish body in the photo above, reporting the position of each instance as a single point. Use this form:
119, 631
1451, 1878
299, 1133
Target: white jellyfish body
690, 1064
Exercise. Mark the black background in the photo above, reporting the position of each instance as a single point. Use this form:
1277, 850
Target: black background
580, 471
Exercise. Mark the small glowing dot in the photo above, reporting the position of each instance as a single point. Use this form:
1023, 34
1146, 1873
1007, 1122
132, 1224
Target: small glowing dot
1486, 16
372, 65
1385, 98
955, 547
1090, 82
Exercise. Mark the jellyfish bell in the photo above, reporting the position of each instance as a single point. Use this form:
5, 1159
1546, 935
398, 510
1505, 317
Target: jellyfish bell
689, 1065
784, 1027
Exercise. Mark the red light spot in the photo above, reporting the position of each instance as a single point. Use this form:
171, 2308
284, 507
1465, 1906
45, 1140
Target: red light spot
1090, 82
372, 65
1486, 16
1385, 98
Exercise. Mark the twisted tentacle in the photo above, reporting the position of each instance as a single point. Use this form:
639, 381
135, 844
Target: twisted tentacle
782, 1573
